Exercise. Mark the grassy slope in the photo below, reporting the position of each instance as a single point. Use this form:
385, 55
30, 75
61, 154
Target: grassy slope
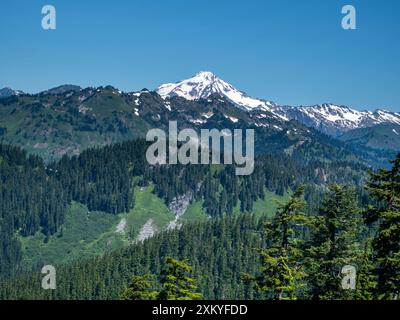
84, 233
147, 206
91, 233
194, 213
55, 127
87, 233
267, 206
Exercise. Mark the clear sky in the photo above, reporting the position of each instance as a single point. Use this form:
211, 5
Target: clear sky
290, 51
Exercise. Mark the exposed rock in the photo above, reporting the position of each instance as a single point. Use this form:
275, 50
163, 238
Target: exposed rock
147, 231
179, 204
121, 226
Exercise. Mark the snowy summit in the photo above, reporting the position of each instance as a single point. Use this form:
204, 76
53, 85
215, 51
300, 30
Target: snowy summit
204, 84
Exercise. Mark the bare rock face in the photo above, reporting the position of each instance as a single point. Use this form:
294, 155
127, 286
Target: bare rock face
179, 204
147, 231
121, 226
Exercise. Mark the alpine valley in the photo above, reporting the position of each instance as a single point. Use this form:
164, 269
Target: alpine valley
76, 190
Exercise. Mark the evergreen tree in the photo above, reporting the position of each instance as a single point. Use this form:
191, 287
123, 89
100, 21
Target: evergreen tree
384, 187
175, 282
282, 274
141, 288
366, 280
334, 243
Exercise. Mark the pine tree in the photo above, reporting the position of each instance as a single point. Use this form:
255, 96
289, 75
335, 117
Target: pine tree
175, 282
141, 288
366, 280
334, 243
384, 187
282, 274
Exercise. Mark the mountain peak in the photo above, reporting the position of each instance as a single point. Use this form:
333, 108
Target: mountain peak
63, 89
8, 92
200, 86
204, 84
206, 75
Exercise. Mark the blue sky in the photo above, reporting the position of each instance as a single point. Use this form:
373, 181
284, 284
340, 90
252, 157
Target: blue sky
293, 52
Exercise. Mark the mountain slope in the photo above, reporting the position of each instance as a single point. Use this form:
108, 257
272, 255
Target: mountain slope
8, 92
68, 119
53, 125
63, 89
382, 136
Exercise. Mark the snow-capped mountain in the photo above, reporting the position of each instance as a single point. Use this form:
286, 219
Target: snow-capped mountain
8, 92
334, 120
204, 84
328, 118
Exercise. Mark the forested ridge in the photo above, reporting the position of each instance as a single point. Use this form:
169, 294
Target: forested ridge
35, 197
294, 255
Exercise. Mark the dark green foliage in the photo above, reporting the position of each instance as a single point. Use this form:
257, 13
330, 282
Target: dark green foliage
226, 252
140, 288
175, 282
282, 274
30, 200
366, 280
295, 262
384, 187
334, 243
102, 178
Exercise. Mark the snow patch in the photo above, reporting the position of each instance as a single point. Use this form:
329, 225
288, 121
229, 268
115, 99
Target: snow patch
207, 115
198, 121
234, 120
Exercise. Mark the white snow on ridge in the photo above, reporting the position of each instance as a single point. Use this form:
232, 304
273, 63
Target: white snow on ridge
207, 115
233, 119
204, 84
198, 121
385, 116
346, 118
167, 105
332, 113
394, 130
342, 118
